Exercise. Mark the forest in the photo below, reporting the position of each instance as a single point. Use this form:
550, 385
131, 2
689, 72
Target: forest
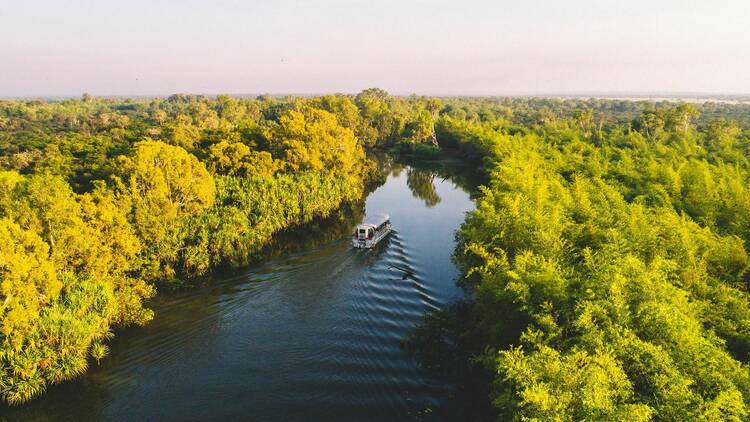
608, 261
607, 258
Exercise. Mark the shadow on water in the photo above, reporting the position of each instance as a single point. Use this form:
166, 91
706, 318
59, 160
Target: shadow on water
315, 331
450, 342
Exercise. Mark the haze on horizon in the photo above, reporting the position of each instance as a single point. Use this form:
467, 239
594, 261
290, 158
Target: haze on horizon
157, 47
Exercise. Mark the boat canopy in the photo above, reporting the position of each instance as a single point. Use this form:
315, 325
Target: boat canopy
376, 220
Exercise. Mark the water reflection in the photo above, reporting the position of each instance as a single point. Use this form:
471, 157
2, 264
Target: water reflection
422, 186
424, 176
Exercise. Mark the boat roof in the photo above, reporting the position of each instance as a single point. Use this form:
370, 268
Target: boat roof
375, 220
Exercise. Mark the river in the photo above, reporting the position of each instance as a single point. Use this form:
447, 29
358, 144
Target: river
314, 332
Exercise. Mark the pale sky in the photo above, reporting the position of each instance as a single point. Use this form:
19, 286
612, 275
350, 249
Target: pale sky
467, 47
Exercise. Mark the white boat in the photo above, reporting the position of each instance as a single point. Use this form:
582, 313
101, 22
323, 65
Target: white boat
372, 231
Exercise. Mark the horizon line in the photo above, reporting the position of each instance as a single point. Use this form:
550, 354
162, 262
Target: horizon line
614, 95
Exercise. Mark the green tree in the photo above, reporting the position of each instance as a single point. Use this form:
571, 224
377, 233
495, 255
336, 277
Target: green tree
311, 139
164, 184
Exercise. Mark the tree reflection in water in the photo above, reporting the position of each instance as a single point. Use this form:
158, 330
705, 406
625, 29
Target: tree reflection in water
422, 185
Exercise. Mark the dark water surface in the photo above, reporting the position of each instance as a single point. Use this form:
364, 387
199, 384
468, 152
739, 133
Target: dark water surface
313, 334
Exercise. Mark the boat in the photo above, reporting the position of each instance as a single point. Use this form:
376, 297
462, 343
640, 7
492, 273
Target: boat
372, 231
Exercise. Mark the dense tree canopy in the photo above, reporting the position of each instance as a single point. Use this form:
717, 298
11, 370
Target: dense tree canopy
624, 254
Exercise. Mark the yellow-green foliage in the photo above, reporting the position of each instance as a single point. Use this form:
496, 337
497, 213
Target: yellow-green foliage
625, 253
306, 138
164, 185
236, 159
251, 210
64, 264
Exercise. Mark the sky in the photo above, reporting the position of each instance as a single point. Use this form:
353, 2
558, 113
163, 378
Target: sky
430, 47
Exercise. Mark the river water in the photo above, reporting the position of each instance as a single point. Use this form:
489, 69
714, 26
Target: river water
313, 333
